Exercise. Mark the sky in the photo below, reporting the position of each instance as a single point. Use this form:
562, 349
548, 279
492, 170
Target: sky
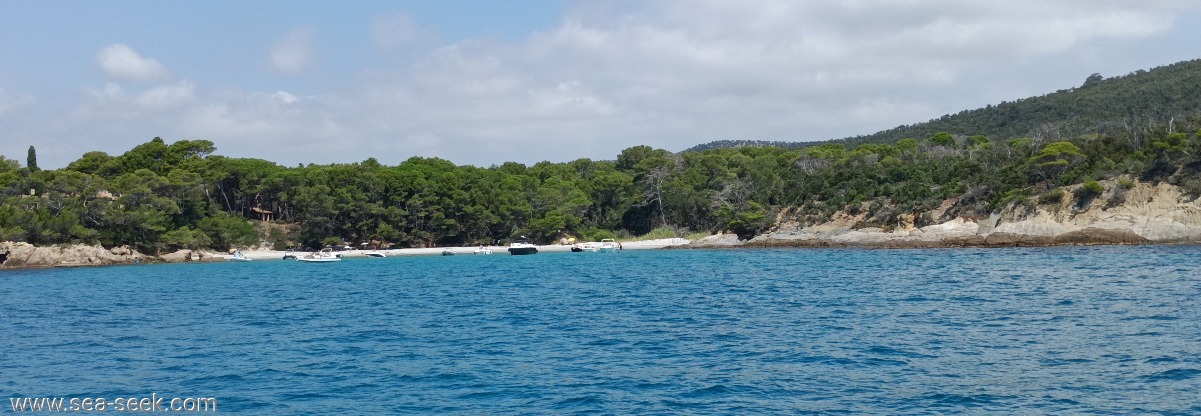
487, 82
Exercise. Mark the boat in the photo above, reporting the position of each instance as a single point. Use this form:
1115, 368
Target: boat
607, 245
482, 250
448, 252
290, 255
326, 255
585, 247
238, 256
374, 253
522, 247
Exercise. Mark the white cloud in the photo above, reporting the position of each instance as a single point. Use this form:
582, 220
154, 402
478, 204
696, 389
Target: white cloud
113, 105
674, 74
394, 31
9, 103
666, 73
121, 61
291, 54
165, 97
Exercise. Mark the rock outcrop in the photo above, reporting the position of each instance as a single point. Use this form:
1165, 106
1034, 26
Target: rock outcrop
24, 255
180, 256
1141, 214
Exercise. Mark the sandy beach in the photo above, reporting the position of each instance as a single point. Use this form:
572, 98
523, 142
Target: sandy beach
468, 250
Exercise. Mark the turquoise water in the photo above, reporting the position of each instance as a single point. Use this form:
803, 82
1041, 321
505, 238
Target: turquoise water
1100, 330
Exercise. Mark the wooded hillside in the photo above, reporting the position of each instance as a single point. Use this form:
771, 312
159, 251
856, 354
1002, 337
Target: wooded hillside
164, 196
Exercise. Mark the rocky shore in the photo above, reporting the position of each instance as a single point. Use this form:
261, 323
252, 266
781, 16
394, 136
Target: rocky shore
24, 255
1138, 214
27, 256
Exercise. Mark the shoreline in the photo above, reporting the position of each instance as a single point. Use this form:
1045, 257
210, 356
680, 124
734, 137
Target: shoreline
460, 250
26, 256
920, 245
1025, 241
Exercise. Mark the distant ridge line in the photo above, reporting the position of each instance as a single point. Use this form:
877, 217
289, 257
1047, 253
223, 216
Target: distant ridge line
1120, 104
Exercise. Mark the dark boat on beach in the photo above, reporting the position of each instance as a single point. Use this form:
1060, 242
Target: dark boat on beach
522, 247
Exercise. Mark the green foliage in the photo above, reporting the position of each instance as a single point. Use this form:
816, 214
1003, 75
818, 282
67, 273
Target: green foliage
942, 138
1051, 197
1117, 106
184, 238
31, 160
279, 239
660, 233
226, 231
596, 234
1054, 160
1087, 192
165, 196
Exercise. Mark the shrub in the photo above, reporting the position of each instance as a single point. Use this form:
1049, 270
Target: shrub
226, 231
1124, 183
184, 237
1085, 193
278, 239
1089, 190
1052, 197
1191, 187
596, 234
666, 231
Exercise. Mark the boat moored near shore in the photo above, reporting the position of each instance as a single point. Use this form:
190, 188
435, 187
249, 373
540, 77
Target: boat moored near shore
326, 255
522, 247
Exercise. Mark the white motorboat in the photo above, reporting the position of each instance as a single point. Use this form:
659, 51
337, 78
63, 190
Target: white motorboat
326, 255
607, 245
290, 254
374, 253
585, 248
238, 256
520, 248
482, 250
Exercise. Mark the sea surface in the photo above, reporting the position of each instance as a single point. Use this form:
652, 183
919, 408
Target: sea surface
1093, 330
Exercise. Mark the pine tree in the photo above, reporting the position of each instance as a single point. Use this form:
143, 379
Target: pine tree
32, 160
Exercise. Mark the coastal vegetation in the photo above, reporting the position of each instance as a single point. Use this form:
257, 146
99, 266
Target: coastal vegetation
162, 196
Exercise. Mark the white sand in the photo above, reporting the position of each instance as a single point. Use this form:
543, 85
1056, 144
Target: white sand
496, 250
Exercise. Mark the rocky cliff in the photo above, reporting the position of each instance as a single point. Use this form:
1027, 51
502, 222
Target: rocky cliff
1138, 214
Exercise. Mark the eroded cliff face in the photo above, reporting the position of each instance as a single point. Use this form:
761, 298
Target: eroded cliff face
1158, 213
1143, 213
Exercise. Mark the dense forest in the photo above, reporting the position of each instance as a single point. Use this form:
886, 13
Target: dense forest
163, 196
1128, 104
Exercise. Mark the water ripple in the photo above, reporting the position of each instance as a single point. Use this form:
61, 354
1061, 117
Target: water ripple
1073, 330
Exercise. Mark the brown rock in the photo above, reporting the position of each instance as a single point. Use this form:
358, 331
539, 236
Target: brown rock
24, 255
180, 256
1100, 236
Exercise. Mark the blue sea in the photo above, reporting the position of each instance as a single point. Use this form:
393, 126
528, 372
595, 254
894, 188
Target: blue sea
1075, 330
